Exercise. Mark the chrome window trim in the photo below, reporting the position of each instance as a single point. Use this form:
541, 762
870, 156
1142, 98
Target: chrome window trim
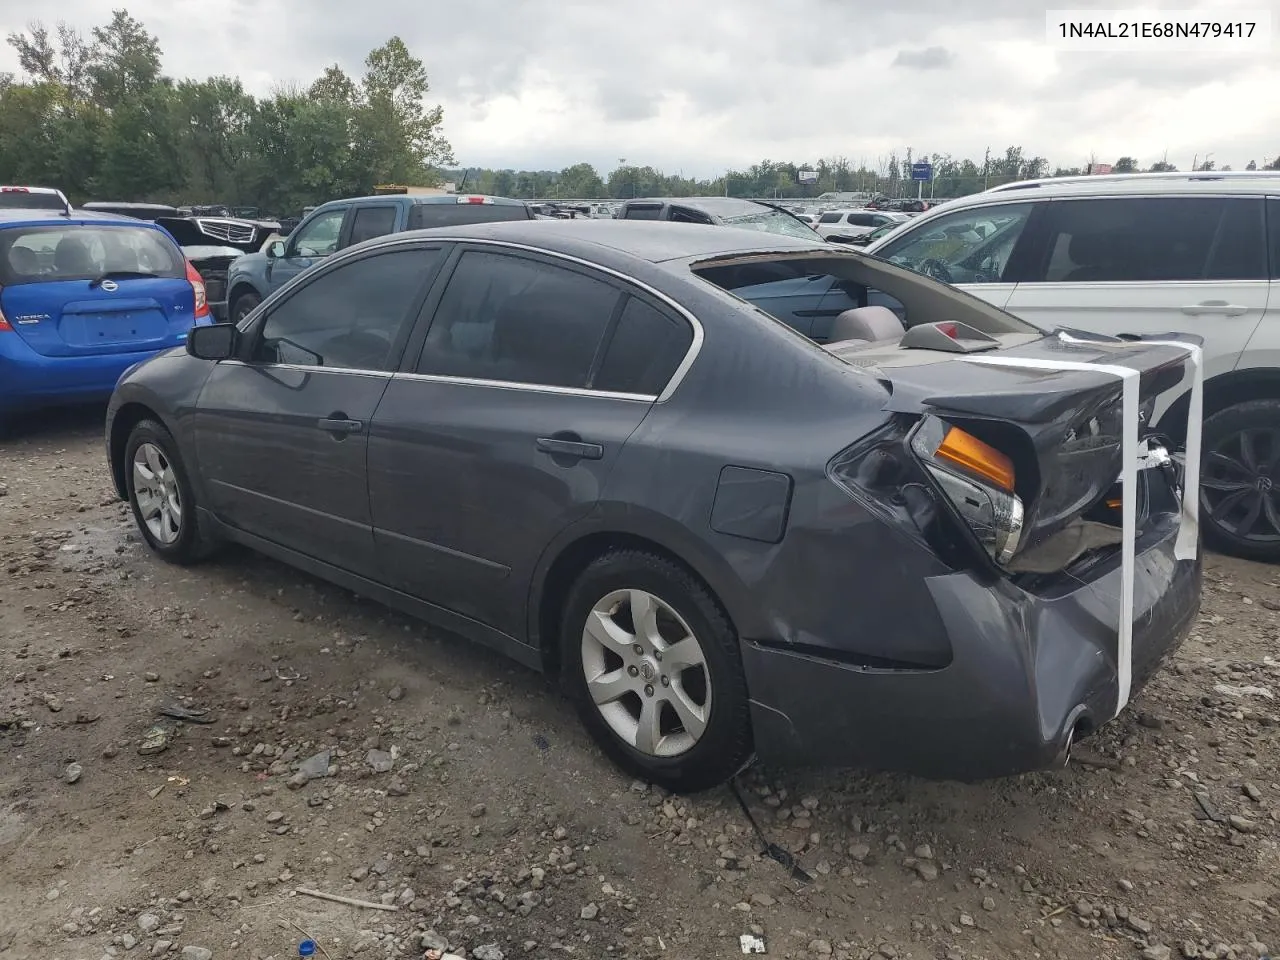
527, 387
311, 368
334, 260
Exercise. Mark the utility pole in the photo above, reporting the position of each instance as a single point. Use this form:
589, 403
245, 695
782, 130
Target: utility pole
986, 167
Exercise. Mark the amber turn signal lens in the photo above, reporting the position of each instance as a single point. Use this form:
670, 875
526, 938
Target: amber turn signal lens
1115, 503
967, 451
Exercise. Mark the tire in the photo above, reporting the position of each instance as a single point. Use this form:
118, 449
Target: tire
1241, 474
241, 306
712, 693
174, 532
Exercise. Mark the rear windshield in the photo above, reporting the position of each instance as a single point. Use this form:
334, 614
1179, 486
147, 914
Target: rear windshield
424, 215
75, 252
22, 200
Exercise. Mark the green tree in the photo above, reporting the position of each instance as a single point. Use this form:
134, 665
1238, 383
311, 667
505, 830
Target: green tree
398, 135
1125, 165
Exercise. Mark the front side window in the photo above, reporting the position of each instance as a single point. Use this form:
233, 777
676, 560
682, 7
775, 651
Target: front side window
1153, 239
347, 317
968, 246
319, 238
44, 254
829, 218
518, 320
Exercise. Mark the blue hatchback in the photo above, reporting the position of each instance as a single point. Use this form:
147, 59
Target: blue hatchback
83, 297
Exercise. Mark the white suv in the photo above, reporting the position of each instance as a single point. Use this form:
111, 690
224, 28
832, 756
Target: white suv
843, 225
1144, 254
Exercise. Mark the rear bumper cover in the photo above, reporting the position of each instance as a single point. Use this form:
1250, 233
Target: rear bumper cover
1026, 670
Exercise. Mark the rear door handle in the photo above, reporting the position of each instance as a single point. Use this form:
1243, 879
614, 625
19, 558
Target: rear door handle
340, 425
1218, 307
559, 447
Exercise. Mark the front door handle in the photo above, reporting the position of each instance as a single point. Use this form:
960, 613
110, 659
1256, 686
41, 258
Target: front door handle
341, 425
564, 447
1218, 307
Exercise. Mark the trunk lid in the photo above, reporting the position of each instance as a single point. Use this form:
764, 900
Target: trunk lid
1060, 421
71, 318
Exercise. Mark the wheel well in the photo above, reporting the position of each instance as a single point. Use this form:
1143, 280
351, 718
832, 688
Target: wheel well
1220, 393
126, 418
566, 568
237, 291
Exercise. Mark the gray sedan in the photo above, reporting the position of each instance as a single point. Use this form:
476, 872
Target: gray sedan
586, 447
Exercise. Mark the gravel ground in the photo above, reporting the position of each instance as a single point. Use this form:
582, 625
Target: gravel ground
457, 791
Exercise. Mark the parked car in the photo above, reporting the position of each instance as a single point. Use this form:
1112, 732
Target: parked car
718, 211
1143, 254
844, 226
339, 224
33, 198
210, 242
82, 298
874, 553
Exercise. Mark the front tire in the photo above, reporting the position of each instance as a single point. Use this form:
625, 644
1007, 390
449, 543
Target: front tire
241, 306
1240, 480
161, 497
653, 665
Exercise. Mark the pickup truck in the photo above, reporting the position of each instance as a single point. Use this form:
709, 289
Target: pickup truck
333, 226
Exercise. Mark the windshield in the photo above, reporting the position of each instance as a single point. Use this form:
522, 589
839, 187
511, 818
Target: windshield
74, 252
772, 221
30, 200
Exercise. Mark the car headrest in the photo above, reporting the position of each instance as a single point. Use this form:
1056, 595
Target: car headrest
72, 256
872, 324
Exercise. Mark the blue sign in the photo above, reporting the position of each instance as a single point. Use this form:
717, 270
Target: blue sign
922, 171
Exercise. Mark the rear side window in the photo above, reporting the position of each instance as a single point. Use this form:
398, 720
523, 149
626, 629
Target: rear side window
370, 222
454, 214
1273, 228
646, 348
347, 317
518, 320
45, 254
1153, 239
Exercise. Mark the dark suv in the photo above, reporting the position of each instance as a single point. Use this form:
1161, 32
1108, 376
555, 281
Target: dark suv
341, 223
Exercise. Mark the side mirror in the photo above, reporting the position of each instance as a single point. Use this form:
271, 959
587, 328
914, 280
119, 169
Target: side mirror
275, 249
216, 342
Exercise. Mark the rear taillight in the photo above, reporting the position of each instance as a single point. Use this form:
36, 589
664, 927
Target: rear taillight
197, 287
978, 480
4, 323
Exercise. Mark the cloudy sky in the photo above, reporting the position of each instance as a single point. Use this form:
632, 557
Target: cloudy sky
701, 85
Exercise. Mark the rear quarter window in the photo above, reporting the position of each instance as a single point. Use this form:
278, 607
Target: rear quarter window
44, 254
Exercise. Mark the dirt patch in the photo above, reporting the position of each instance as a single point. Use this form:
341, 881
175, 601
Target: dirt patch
456, 788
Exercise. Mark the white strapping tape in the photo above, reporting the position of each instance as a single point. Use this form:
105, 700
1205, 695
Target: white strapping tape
1187, 544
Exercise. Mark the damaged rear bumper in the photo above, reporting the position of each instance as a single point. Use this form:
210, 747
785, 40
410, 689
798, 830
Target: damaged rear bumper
1029, 672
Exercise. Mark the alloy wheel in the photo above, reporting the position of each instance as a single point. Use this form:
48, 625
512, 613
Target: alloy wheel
646, 673
1240, 486
155, 488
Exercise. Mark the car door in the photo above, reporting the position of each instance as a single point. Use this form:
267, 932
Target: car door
1150, 265
314, 240
282, 433
505, 421
971, 248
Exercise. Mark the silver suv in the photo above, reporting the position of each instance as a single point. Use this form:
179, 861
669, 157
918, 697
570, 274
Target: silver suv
1144, 254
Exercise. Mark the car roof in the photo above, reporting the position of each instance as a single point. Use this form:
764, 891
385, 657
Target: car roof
650, 240
1248, 183
434, 198
18, 217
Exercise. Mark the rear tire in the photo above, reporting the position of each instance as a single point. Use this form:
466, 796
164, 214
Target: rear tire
673, 712
160, 495
1240, 480
241, 306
